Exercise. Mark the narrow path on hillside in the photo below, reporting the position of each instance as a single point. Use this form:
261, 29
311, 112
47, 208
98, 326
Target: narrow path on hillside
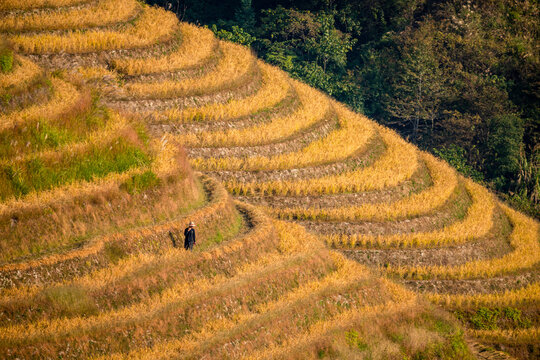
483, 352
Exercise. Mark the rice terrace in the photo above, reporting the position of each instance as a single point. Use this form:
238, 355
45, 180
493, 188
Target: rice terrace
320, 233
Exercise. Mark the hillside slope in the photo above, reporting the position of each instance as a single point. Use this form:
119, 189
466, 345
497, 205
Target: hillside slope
100, 277
90, 204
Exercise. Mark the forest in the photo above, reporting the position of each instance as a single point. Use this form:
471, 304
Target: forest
458, 78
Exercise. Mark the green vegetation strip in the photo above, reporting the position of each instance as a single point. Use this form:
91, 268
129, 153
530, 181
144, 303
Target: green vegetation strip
6, 60
487, 318
44, 134
36, 174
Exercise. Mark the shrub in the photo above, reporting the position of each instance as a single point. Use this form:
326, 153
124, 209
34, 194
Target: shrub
515, 316
503, 143
485, 318
455, 156
237, 35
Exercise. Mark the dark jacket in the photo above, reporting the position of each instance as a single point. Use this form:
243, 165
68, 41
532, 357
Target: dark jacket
189, 235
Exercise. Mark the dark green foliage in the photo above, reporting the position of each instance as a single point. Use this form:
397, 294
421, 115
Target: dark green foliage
245, 15
515, 316
236, 34
505, 136
456, 156
485, 319
311, 48
523, 203
418, 88
5, 99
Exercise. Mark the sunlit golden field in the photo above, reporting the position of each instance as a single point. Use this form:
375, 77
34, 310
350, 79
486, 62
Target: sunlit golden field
320, 233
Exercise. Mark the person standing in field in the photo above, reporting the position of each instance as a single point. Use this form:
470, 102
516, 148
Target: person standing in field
189, 234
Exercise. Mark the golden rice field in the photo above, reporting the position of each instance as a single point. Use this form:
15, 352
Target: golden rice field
36, 4
197, 45
99, 13
150, 26
230, 72
274, 89
320, 234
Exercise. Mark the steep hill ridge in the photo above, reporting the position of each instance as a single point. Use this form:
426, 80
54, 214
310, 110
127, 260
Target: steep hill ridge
274, 291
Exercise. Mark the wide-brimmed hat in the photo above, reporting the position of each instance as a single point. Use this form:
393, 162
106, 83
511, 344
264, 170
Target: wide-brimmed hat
191, 223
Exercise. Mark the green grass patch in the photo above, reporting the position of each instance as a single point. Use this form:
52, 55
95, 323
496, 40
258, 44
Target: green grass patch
5, 99
353, 339
141, 182
44, 134
142, 134
485, 318
113, 252
35, 174
6, 60
222, 234
452, 343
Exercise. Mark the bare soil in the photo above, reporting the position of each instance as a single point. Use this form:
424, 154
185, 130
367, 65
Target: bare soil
444, 256
496, 244
203, 68
253, 75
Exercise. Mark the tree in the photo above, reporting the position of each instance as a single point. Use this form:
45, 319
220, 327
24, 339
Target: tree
331, 45
418, 89
310, 47
503, 147
245, 15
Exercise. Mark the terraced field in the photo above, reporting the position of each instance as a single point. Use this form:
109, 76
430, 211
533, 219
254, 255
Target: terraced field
96, 109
